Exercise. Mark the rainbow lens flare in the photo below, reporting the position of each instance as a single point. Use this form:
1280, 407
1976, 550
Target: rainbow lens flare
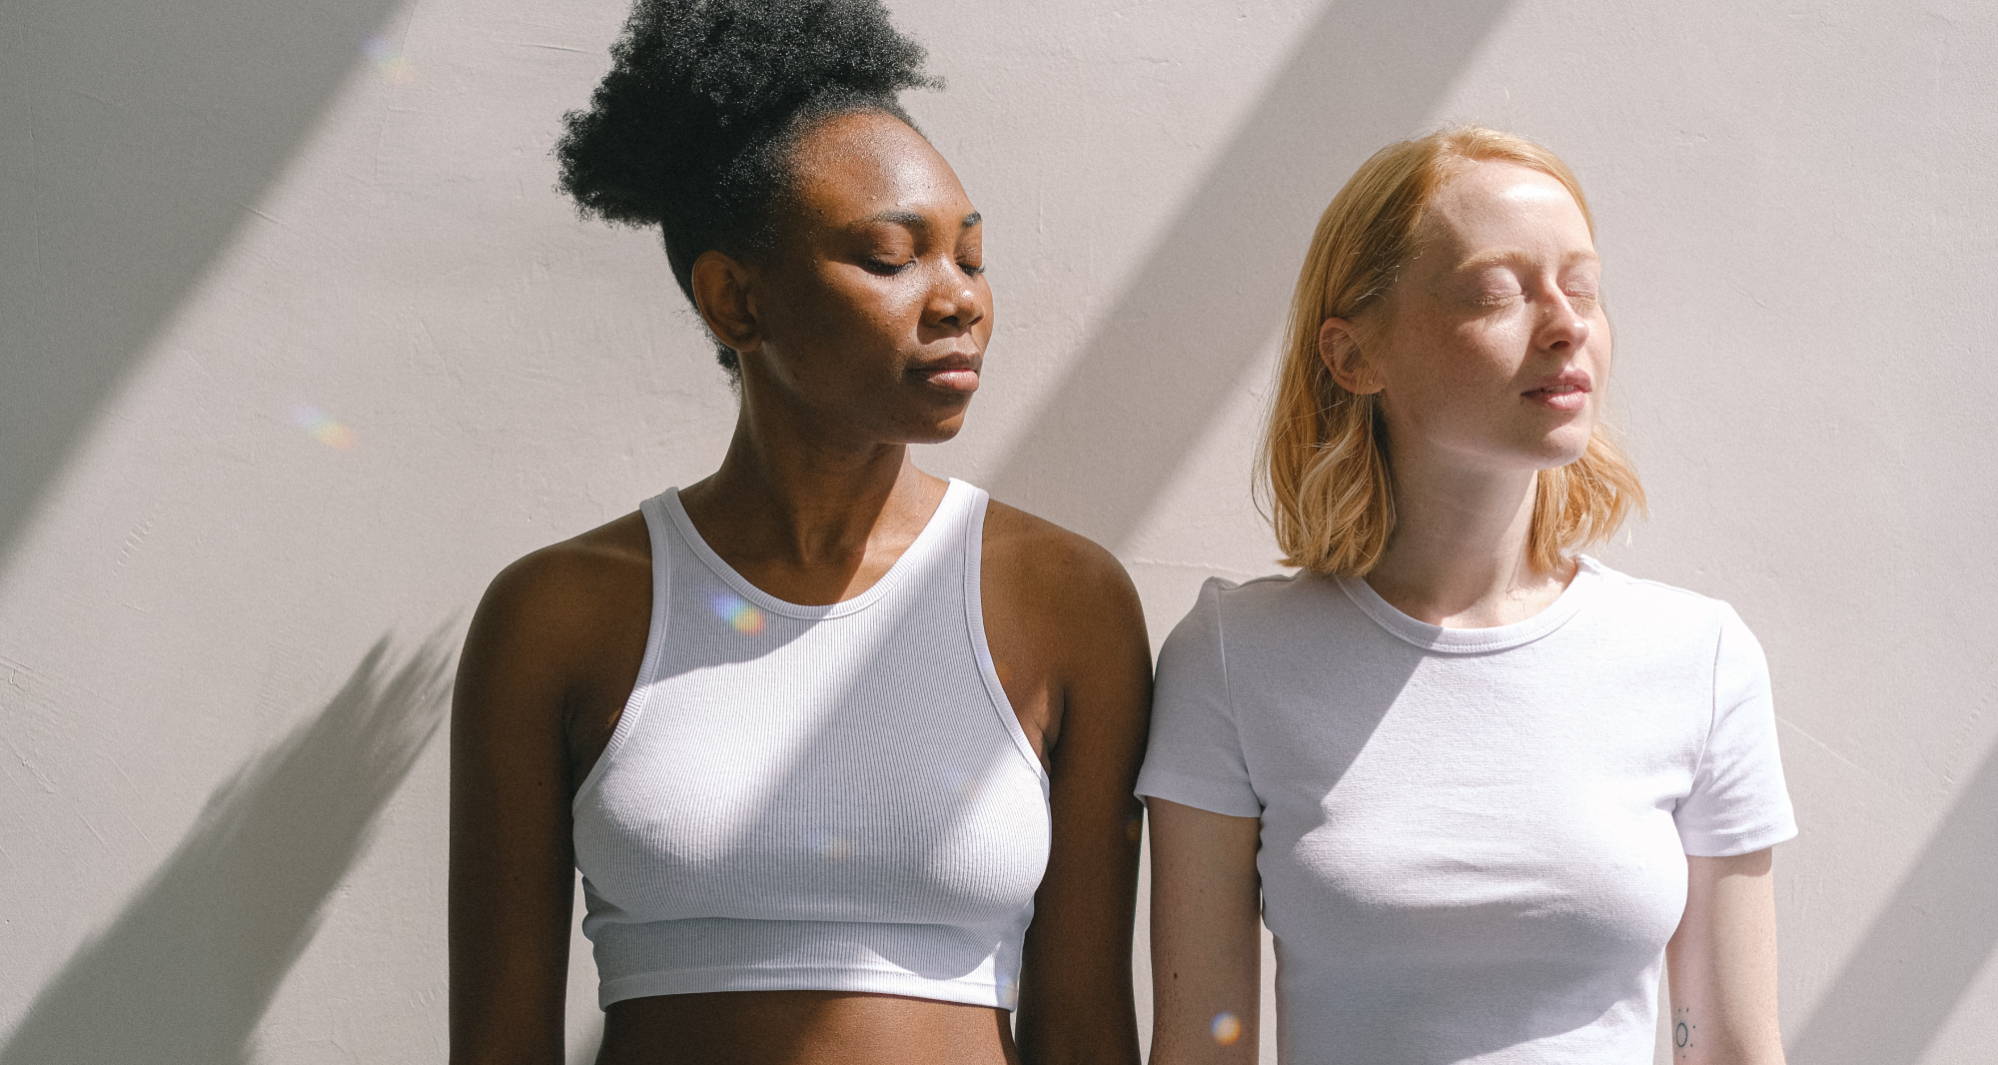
1226, 1028
388, 59
1009, 991
740, 616
322, 428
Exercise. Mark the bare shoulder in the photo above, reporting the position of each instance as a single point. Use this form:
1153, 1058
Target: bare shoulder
1067, 598
553, 592
549, 618
1044, 562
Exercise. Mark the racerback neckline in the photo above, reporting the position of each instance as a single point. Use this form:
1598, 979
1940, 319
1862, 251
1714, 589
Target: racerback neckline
955, 495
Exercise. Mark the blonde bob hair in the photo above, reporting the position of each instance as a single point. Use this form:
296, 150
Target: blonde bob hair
1324, 479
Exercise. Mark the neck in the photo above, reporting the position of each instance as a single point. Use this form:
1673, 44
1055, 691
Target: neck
786, 493
1459, 549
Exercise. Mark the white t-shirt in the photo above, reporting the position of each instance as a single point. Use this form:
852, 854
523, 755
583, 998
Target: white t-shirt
1473, 840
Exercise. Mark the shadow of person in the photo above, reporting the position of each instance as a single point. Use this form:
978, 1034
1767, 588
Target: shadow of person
187, 971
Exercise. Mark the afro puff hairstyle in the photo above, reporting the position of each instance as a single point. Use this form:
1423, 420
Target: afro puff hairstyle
693, 127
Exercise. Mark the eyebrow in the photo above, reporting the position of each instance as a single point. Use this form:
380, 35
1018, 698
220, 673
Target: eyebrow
1507, 258
912, 220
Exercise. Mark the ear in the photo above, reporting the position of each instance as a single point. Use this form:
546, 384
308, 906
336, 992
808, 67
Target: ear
1339, 350
723, 295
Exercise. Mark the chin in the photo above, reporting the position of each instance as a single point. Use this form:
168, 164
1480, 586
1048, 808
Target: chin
1561, 449
1550, 449
935, 432
936, 420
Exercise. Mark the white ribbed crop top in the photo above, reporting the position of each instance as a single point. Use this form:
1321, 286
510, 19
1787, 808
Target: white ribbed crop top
831, 797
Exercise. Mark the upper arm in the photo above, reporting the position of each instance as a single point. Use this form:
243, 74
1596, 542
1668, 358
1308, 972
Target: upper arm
1722, 964
511, 879
1206, 950
1738, 801
1722, 960
1206, 827
1076, 1001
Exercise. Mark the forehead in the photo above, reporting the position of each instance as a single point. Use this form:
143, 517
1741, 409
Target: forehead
856, 165
1500, 205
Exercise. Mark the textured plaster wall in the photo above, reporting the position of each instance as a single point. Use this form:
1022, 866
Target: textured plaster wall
298, 346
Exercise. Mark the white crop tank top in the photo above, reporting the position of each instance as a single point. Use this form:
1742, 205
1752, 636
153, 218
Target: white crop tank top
832, 797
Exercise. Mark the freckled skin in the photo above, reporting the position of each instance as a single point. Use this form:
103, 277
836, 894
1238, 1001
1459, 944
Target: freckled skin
1504, 293
875, 273
1501, 296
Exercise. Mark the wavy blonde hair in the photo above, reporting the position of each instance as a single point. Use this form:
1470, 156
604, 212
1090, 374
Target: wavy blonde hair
1324, 479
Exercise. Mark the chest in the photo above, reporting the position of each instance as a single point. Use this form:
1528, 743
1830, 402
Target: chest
1475, 807
1023, 644
813, 789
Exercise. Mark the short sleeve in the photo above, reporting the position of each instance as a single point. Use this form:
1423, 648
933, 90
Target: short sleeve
1195, 754
1738, 802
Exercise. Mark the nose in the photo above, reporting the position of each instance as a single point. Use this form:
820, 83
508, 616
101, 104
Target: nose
956, 301
1566, 328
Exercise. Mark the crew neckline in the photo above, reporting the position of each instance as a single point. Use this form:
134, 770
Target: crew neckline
922, 545
1581, 588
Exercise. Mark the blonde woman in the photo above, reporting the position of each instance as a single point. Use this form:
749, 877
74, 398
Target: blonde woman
1483, 787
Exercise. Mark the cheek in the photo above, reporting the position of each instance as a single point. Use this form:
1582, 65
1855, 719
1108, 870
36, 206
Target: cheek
1468, 360
881, 314
844, 320
1456, 379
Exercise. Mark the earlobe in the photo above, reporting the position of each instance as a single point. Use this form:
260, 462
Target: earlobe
722, 298
1339, 350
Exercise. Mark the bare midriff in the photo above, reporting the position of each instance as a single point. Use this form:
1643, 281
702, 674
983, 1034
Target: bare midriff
803, 1028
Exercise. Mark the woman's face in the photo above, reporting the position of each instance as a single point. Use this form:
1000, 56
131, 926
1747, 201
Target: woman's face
873, 312
1493, 349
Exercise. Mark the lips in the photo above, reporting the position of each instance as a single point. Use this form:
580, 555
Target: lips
1567, 392
1564, 383
952, 373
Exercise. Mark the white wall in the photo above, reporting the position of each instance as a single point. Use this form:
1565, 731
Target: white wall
225, 640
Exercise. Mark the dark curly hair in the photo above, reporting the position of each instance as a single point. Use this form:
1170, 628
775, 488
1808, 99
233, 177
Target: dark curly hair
693, 128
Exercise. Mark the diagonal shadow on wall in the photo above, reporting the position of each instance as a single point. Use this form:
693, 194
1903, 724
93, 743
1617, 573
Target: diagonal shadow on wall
134, 138
1924, 951
184, 975
1217, 281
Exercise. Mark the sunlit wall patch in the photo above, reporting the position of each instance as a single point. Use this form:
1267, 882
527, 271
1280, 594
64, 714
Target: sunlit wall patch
322, 427
1226, 1028
740, 616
